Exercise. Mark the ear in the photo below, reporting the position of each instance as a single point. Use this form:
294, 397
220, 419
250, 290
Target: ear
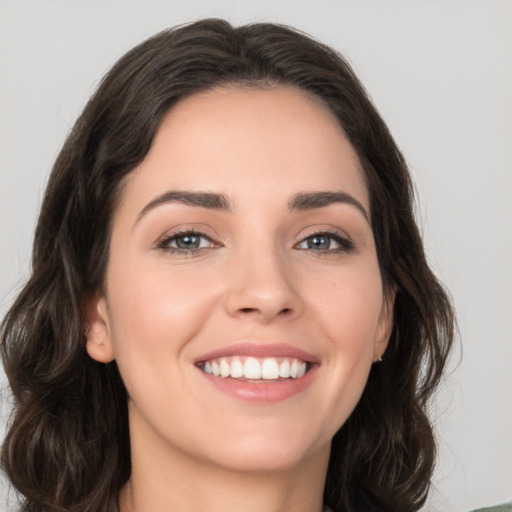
98, 333
384, 326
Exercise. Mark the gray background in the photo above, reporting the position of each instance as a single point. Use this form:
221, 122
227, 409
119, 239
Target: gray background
440, 71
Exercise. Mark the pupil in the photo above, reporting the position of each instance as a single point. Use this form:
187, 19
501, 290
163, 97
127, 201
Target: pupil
188, 242
318, 242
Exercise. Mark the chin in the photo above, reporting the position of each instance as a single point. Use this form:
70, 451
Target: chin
269, 451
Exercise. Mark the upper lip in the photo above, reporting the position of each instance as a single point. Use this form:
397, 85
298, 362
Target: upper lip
260, 350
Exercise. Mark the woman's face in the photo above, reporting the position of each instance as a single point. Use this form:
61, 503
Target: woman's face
242, 245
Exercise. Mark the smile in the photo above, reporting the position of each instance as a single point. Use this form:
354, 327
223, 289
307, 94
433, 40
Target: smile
256, 369
259, 373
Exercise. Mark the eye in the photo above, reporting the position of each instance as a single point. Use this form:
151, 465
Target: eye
185, 242
326, 242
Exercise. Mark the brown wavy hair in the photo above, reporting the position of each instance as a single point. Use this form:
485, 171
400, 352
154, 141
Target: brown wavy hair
67, 446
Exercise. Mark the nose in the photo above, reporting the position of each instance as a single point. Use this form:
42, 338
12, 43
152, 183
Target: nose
263, 287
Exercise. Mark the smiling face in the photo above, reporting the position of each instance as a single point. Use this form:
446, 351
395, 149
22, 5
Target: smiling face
243, 300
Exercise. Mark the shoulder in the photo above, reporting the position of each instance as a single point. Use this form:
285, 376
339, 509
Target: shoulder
498, 508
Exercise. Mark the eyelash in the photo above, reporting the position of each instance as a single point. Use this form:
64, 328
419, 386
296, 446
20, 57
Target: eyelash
164, 243
345, 244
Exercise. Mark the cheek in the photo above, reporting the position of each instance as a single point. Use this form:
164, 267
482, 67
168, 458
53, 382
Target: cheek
347, 308
350, 321
156, 310
349, 304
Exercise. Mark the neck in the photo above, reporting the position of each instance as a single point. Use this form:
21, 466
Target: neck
166, 479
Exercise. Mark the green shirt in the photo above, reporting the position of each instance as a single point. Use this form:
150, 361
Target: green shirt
498, 508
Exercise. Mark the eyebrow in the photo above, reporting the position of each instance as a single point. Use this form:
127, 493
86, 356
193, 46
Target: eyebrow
312, 200
208, 200
214, 201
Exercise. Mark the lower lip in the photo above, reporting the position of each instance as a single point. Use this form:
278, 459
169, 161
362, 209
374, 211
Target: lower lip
262, 392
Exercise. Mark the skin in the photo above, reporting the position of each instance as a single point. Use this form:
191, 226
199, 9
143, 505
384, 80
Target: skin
255, 277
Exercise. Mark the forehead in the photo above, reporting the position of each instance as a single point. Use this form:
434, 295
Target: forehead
240, 140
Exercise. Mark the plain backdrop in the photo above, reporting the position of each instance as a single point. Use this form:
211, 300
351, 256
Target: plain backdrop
440, 72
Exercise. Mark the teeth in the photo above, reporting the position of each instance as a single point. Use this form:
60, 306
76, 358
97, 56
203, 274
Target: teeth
252, 368
237, 368
224, 368
294, 369
256, 369
270, 369
284, 369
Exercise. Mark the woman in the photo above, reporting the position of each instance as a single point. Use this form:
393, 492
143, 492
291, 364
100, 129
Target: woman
225, 252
